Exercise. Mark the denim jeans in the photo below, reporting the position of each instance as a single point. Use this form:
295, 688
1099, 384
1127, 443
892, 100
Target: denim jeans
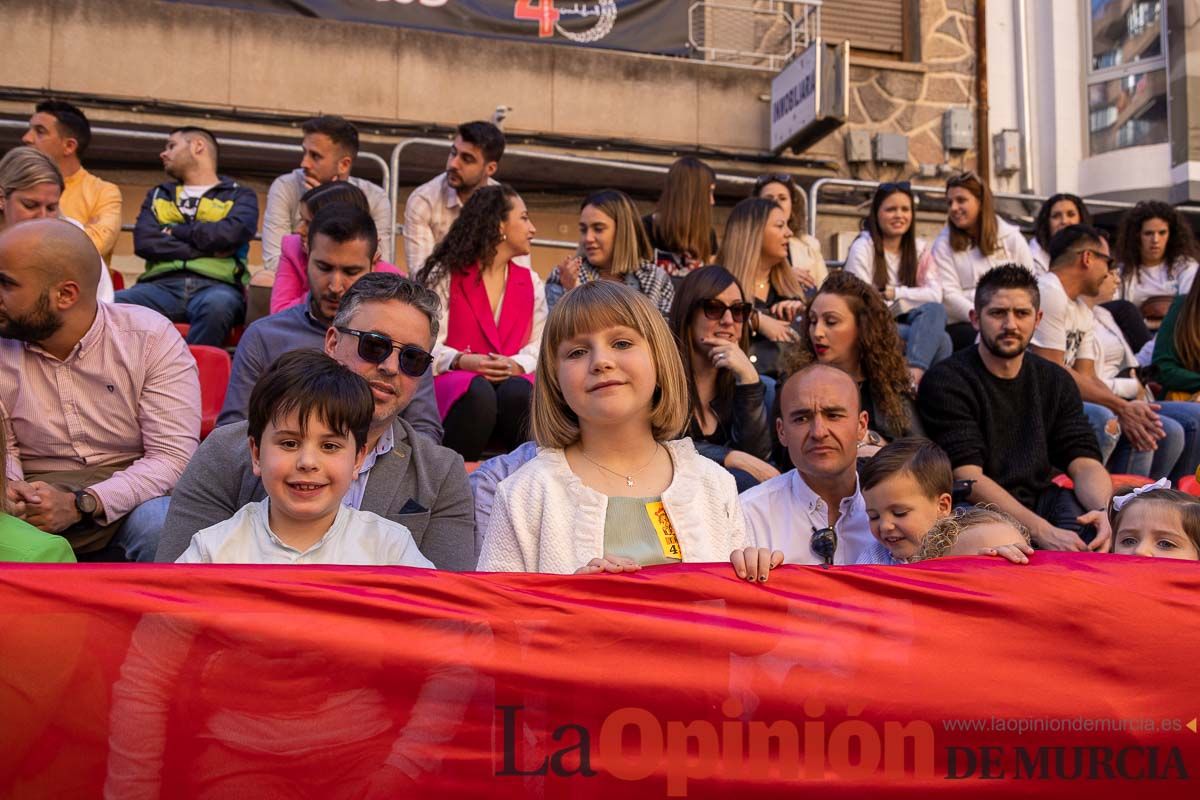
138, 536
1098, 417
924, 333
1155, 464
211, 307
1187, 415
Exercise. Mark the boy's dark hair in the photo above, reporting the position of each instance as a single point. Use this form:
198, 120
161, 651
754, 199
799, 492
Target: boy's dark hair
925, 461
344, 223
1071, 239
339, 130
209, 137
1006, 276
71, 120
484, 135
310, 382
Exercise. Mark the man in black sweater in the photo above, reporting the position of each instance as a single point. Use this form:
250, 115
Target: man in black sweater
1007, 417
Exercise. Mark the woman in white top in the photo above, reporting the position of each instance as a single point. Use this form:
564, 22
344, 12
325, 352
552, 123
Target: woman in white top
890, 256
493, 310
609, 491
1058, 212
804, 251
1115, 360
1157, 253
973, 241
31, 186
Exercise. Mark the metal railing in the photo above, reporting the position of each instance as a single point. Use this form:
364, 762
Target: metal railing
753, 35
559, 158
390, 168
815, 197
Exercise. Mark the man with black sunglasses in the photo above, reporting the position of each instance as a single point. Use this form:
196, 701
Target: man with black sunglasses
341, 244
383, 331
814, 514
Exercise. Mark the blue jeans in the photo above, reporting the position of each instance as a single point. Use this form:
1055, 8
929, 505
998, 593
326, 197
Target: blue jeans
210, 306
1187, 415
1098, 417
924, 333
138, 536
1152, 463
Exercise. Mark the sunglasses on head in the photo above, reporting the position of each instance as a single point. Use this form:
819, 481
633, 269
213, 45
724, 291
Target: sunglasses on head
715, 310
899, 186
376, 348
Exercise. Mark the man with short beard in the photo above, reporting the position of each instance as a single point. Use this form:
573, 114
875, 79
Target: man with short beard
341, 243
1007, 418
100, 402
194, 232
432, 207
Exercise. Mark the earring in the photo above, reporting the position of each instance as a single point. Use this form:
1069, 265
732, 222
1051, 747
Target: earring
504, 237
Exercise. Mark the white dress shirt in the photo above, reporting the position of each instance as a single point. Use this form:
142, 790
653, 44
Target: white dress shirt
782, 513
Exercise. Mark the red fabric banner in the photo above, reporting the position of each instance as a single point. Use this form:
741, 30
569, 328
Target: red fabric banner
1073, 677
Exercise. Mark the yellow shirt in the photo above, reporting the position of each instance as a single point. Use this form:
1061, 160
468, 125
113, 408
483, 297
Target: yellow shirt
96, 204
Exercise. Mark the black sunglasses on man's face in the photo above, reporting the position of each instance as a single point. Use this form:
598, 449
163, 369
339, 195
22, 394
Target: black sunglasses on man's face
376, 348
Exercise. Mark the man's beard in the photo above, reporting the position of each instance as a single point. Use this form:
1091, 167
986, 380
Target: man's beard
36, 326
1007, 351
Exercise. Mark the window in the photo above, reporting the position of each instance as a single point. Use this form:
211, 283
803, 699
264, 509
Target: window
881, 27
1127, 75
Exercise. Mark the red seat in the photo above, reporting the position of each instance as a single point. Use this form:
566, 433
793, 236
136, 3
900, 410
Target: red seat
118, 280
1190, 485
215, 368
1119, 481
235, 333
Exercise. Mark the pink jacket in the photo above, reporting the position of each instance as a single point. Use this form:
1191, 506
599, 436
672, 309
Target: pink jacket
291, 277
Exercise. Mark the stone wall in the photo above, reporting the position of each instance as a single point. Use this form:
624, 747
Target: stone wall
910, 98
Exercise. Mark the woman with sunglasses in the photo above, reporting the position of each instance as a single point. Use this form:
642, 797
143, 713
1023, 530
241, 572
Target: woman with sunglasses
727, 397
755, 253
890, 256
804, 251
973, 241
493, 311
612, 246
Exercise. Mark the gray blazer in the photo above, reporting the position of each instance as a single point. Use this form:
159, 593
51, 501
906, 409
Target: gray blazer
419, 484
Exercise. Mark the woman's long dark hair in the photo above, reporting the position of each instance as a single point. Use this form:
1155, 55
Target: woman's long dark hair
700, 285
1041, 225
880, 350
908, 242
475, 235
1181, 242
683, 219
1187, 330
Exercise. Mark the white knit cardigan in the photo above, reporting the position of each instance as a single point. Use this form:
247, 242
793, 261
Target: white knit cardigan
545, 520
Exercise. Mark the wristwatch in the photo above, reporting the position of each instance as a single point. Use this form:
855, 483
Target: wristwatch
86, 505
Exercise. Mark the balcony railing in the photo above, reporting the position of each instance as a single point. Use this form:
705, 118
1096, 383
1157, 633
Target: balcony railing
756, 34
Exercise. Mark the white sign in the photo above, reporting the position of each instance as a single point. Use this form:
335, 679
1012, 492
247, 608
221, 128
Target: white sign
794, 97
809, 97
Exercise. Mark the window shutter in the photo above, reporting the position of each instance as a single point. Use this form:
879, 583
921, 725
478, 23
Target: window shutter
869, 24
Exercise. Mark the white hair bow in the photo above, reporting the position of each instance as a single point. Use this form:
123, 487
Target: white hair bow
1119, 502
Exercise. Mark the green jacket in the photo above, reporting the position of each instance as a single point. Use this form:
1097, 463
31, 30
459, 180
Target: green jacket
1173, 374
213, 244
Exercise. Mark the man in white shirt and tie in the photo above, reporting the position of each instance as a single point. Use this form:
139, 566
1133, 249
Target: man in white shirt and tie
815, 513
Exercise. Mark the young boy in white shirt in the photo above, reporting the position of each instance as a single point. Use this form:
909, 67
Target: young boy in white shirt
308, 421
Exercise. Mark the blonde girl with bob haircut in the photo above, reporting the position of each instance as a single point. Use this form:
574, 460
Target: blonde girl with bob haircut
611, 489
612, 246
